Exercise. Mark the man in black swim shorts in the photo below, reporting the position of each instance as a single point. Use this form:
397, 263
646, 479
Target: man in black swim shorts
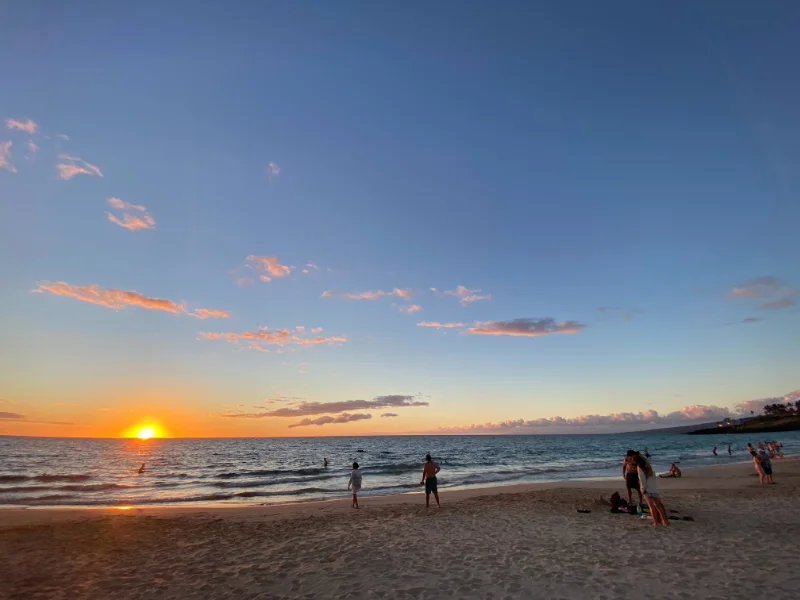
631, 475
429, 472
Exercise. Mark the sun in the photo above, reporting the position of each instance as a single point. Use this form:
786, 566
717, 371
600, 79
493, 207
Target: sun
145, 433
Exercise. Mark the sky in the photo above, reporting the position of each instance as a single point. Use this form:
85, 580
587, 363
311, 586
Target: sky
318, 218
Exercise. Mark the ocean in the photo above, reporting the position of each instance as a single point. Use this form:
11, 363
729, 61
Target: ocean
104, 472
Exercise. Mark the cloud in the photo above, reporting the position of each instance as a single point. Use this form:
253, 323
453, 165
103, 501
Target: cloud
273, 169
18, 418
303, 409
440, 325
316, 330
5, 156
277, 337
28, 126
343, 418
465, 295
268, 267
626, 421
370, 295
390, 415
751, 320
32, 147
526, 327
63, 136
776, 292
311, 267
210, 313
130, 220
75, 166
119, 299
410, 308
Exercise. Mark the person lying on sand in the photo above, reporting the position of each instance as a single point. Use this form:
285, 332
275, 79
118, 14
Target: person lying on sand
674, 471
429, 472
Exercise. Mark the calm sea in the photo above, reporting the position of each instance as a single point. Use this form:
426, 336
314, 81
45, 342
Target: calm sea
104, 472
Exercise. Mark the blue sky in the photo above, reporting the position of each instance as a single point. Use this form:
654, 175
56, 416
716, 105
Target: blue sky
558, 158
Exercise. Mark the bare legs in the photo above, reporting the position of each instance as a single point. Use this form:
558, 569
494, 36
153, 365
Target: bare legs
657, 511
355, 500
428, 499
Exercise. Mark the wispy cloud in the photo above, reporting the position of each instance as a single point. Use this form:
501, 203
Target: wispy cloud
255, 340
327, 420
304, 409
120, 299
437, 325
130, 219
465, 295
370, 295
5, 157
267, 267
32, 147
27, 125
775, 292
410, 309
390, 415
273, 169
73, 165
18, 418
526, 327
310, 267
63, 136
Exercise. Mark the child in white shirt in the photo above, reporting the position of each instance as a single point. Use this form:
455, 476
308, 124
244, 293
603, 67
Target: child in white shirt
355, 483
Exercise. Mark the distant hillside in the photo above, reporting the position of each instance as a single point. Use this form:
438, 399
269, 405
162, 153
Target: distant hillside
760, 424
681, 429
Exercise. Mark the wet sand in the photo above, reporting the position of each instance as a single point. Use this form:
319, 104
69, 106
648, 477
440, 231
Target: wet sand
523, 541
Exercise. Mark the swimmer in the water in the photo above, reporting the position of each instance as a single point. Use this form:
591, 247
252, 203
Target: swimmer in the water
141, 469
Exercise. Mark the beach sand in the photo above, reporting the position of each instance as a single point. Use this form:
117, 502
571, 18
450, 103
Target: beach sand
525, 541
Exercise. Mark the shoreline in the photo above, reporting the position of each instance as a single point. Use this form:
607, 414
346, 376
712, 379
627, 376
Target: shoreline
706, 477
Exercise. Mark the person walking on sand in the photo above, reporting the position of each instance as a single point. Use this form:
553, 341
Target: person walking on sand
649, 488
631, 475
355, 483
429, 472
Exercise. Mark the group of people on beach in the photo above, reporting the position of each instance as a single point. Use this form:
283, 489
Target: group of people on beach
429, 472
761, 459
640, 476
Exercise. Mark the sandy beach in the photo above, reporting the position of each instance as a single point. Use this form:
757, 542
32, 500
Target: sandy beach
524, 541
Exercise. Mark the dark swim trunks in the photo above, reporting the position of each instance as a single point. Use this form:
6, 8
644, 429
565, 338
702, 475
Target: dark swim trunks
431, 485
632, 481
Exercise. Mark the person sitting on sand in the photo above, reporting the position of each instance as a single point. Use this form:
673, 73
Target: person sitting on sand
141, 469
429, 472
630, 475
618, 502
355, 483
649, 489
674, 471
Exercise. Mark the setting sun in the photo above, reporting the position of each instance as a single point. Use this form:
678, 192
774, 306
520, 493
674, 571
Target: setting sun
145, 433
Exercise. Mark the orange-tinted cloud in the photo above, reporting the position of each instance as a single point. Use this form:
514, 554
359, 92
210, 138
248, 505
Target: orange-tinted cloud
73, 165
440, 325
210, 313
28, 125
18, 418
119, 299
130, 220
410, 308
5, 156
268, 267
32, 147
343, 418
390, 415
526, 327
467, 296
370, 295
276, 337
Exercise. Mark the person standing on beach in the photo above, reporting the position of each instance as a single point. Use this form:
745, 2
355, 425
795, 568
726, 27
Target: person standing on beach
355, 483
429, 472
714, 451
649, 488
631, 475
757, 464
766, 466
730, 452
